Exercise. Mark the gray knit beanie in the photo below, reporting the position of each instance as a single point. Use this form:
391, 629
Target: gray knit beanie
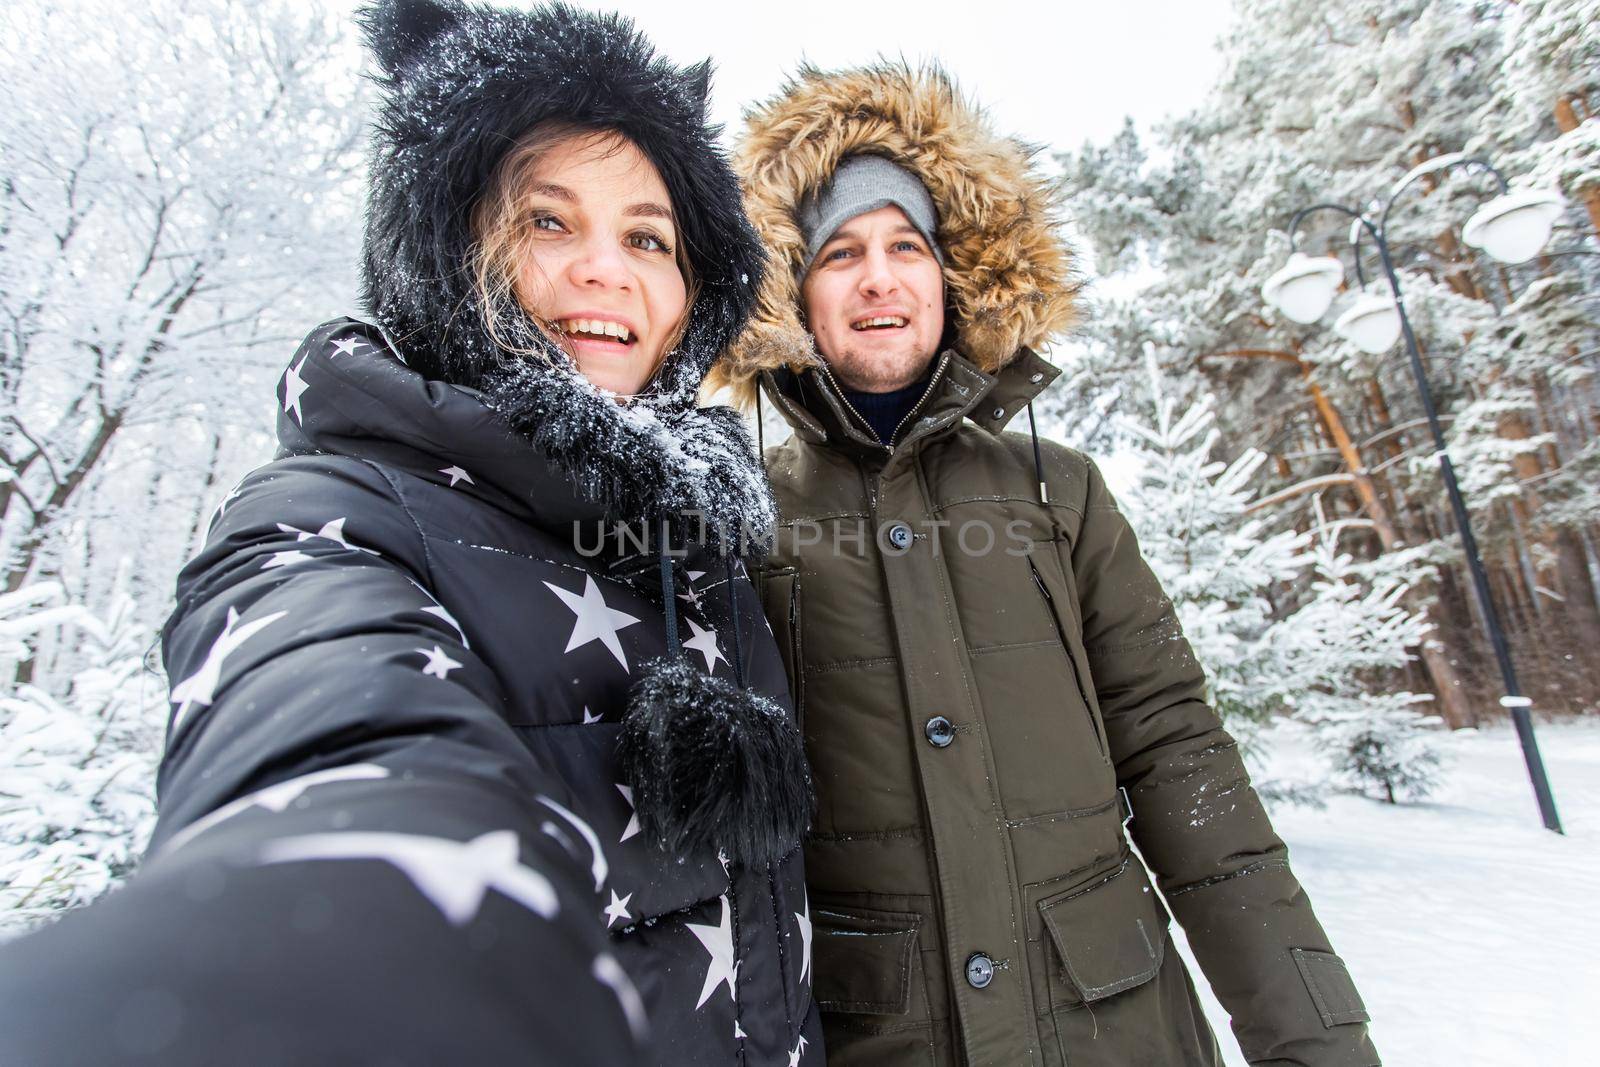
859, 185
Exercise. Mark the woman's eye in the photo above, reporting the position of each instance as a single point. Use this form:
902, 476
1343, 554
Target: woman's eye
547, 222
648, 242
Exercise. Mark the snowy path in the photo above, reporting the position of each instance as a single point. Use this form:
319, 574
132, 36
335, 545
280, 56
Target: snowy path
1470, 930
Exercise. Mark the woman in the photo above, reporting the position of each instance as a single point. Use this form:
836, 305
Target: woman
438, 725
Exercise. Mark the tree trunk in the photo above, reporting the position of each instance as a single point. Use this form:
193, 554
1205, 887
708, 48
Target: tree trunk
1566, 122
1454, 706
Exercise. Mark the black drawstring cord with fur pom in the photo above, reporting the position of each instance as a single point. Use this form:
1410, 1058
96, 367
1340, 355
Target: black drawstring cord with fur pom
713, 765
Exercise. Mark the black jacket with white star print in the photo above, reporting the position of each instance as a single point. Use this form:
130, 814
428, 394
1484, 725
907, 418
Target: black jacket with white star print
398, 669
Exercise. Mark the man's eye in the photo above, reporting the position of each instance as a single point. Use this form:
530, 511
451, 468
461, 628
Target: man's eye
907, 246
837, 253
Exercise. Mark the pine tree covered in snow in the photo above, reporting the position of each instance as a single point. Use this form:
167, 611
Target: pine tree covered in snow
1217, 563
77, 764
1329, 651
1346, 646
1325, 102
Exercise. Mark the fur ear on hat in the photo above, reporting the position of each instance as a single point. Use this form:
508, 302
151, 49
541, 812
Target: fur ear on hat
398, 30
697, 84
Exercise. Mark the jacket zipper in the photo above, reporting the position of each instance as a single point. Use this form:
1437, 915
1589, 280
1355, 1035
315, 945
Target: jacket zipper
933, 380
1066, 650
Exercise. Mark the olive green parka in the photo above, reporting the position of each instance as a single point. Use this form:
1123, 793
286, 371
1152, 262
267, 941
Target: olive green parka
995, 693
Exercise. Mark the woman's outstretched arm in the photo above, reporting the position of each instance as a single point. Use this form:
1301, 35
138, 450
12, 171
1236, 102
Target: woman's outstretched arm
356, 859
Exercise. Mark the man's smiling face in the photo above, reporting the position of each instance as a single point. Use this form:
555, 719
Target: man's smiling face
874, 299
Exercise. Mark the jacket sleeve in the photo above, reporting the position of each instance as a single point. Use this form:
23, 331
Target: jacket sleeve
1198, 822
356, 859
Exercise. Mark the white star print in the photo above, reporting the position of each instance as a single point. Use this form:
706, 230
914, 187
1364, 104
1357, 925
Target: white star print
722, 858
346, 346
596, 621
453, 875
617, 909
439, 610
633, 818
738, 1031
456, 474
705, 643
275, 798
695, 576
609, 972
794, 1053
692, 597
597, 866
294, 387
332, 530
222, 508
587, 718
439, 665
804, 919
285, 559
200, 688
718, 941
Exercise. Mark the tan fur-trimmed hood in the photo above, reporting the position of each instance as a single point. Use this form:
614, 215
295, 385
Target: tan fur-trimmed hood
1008, 273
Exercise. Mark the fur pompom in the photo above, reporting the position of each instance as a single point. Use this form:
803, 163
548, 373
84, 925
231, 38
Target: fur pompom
714, 766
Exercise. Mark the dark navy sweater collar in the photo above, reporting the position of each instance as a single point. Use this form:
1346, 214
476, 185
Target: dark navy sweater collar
885, 411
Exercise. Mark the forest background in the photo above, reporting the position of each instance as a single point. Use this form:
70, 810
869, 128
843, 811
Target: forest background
180, 201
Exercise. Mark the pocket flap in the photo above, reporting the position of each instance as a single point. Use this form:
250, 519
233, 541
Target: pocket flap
861, 960
1331, 988
1110, 934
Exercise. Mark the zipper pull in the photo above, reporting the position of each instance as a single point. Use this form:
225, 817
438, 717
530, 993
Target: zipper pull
1038, 581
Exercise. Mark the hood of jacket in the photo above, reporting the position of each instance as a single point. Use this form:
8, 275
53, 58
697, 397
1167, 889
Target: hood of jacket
1009, 280
459, 86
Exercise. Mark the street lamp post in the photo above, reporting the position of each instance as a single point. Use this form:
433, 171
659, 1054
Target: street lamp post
1513, 228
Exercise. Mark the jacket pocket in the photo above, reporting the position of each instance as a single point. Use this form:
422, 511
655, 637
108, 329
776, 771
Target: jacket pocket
1084, 696
862, 961
780, 601
1331, 988
1109, 935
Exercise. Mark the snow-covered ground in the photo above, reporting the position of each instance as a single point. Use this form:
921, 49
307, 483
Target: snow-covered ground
1470, 930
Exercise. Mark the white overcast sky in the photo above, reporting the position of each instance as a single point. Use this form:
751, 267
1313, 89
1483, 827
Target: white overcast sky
1054, 74
1050, 73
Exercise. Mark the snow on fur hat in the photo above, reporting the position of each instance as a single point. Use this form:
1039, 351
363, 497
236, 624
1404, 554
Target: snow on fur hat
711, 764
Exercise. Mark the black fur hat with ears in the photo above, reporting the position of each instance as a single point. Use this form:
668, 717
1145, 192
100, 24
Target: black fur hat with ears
461, 83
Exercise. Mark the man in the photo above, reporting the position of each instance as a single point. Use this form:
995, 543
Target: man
991, 683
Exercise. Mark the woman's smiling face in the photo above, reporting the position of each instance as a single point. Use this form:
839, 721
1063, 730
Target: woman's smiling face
599, 270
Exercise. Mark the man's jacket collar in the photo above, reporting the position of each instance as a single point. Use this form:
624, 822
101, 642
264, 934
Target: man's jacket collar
813, 403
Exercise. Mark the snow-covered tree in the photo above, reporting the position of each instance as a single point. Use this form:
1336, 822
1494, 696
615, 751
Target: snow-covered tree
1331, 651
1324, 102
1217, 562
1347, 646
77, 765
179, 201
